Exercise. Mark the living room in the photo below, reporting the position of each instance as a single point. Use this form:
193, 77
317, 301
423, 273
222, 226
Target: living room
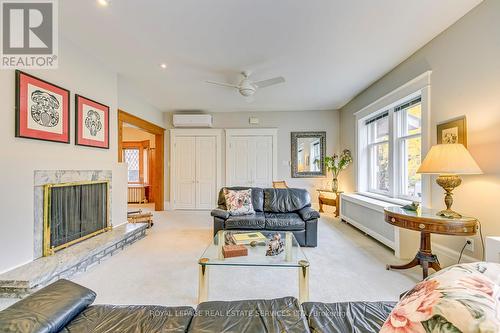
356, 145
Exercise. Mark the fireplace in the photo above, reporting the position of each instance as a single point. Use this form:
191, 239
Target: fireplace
74, 212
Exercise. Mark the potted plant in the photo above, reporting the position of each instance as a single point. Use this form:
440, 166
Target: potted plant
336, 164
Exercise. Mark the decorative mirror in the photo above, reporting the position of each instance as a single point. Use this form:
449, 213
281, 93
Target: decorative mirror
308, 153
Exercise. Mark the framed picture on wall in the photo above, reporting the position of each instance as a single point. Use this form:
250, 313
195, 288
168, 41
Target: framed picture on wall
91, 123
42, 109
453, 131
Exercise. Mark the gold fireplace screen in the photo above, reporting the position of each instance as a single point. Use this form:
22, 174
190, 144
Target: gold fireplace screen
70, 209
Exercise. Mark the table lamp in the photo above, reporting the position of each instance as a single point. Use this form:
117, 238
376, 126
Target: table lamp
448, 161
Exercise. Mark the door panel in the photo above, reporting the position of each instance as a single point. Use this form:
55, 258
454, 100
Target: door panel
185, 171
250, 161
240, 171
263, 170
206, 172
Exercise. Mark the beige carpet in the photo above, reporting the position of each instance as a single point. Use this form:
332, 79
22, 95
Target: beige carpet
162, 268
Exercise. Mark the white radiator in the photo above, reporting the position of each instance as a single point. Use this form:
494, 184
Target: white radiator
136, 194
368, 215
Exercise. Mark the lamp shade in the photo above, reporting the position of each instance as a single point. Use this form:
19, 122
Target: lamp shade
449, 159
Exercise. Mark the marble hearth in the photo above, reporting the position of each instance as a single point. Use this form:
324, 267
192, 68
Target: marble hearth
65, 263
76, 258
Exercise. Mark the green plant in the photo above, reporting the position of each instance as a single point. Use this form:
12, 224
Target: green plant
338, 162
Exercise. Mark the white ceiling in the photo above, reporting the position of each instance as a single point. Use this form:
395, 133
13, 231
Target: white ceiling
328, 50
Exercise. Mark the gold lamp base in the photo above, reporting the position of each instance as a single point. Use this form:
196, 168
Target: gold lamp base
448, 183
451, 214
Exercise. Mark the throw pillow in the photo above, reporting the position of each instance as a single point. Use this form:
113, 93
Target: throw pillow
239, 202
461, 298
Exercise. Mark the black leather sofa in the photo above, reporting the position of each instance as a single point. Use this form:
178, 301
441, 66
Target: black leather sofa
67, 307
275, 210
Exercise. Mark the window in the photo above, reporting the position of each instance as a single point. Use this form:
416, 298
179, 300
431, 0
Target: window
131, 157
392, 154
378, 153
409, 146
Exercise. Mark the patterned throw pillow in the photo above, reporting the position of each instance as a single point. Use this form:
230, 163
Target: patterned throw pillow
239, 202
461, 298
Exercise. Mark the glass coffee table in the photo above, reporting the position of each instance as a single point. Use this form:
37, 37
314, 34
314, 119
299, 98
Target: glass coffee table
292, 256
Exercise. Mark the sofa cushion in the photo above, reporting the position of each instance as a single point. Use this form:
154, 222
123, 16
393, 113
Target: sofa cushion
355, 317
278, 200
239, 202
284, 221
47, 310
131, 319
254, 221
257, 197
460, 298
271, 316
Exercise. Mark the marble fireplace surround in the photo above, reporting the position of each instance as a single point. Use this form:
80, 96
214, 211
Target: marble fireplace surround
43, 177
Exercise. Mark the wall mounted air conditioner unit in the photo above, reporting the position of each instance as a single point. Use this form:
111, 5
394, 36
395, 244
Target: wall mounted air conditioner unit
193, 120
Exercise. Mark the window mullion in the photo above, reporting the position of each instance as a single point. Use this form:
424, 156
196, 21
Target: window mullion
392, 154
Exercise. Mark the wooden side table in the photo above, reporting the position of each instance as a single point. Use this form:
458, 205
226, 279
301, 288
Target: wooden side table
324, 199
427, 222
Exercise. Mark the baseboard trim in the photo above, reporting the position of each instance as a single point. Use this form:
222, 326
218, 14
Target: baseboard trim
450, 256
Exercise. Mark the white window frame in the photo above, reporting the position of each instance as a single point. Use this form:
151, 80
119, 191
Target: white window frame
400, 162
370, 159
420, 86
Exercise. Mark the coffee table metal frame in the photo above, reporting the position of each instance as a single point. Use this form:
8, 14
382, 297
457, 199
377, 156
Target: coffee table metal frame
292, 256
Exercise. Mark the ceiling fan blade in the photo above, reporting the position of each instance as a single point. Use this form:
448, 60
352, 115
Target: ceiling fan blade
223, 84
269, 82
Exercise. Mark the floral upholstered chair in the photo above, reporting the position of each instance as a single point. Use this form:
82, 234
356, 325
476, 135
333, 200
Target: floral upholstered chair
461, 298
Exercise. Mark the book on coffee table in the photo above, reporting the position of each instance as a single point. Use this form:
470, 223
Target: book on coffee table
248, 237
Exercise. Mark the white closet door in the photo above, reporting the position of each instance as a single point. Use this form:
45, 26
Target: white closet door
185, 170
262, 173
206, 172
250, 161
240, 160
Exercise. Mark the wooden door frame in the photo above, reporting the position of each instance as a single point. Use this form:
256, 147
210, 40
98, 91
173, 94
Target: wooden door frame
159, 133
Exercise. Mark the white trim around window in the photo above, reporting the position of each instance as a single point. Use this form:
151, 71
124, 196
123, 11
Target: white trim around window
419, 86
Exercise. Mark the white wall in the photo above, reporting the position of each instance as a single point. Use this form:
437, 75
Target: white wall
79, 73
465, 64
285, 122
129, 101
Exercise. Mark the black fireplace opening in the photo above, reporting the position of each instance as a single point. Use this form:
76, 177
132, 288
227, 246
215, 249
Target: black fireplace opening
74, 212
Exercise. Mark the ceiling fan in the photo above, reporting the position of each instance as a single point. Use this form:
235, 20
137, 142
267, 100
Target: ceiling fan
247, 87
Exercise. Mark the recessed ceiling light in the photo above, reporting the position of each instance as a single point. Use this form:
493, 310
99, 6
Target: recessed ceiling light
103, 3
163, 66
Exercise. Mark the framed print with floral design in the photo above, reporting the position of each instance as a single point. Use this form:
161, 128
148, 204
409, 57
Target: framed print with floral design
91, 123
42, 109
453, 131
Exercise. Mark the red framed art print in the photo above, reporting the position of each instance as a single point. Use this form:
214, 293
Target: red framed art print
42, 109
92, 123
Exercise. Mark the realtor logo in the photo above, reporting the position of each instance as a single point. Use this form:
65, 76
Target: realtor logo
29, 34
